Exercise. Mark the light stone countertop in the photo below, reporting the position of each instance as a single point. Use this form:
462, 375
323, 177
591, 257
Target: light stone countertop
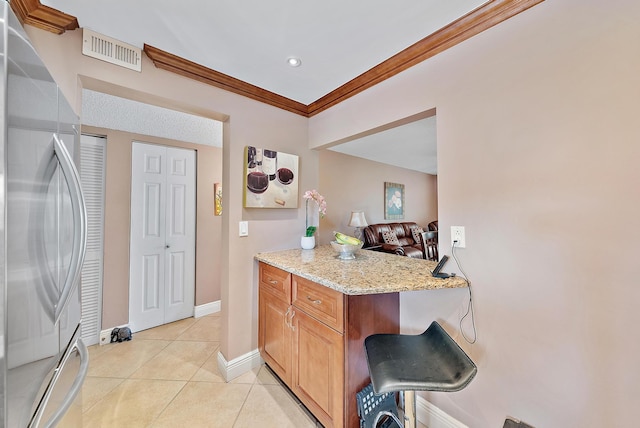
371, 272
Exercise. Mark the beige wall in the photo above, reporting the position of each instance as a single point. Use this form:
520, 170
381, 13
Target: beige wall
115, 299
538, 154
354, 184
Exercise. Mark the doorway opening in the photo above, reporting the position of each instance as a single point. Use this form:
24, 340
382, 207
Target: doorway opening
162, 237
123, 121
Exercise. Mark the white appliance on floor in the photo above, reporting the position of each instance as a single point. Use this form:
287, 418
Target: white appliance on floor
42, 242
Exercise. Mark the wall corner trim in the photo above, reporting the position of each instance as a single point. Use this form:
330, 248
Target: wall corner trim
238, 366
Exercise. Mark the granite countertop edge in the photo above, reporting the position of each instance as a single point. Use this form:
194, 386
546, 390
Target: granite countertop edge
370, 273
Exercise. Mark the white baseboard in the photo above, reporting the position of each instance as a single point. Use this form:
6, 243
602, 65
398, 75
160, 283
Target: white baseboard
432, 417
238, 366
206, 309
105, 335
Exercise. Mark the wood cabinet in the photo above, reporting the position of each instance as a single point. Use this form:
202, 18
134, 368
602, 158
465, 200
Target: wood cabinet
312, 337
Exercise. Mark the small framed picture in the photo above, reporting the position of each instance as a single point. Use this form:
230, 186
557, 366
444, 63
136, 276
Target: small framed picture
393, 201
217, 194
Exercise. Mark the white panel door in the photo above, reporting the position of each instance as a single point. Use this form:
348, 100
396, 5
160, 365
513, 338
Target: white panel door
180, 234
162, 258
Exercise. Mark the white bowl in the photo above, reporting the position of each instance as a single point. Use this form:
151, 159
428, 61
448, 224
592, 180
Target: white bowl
346, 251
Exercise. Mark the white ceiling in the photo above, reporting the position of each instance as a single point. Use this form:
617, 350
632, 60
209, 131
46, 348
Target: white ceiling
411, 146
251, 40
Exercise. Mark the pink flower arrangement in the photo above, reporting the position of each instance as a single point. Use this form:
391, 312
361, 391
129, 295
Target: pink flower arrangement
313, 195
318, 199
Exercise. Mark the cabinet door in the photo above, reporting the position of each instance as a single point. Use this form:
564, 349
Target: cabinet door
274, 334
318, 371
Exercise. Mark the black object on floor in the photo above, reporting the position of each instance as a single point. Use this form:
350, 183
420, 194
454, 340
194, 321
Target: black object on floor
514, 423
120, 334
370, 404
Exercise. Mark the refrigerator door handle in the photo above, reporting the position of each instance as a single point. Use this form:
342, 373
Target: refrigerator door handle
75, 387
73, 391
78, 207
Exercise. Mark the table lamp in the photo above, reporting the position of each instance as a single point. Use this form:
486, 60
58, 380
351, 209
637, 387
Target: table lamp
358, 221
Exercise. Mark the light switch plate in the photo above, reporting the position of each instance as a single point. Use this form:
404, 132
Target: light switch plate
244, 228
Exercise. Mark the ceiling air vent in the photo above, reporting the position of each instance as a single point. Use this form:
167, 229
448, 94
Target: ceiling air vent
111, 50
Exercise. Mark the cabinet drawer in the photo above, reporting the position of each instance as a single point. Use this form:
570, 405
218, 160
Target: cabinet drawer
322, 303
276, 281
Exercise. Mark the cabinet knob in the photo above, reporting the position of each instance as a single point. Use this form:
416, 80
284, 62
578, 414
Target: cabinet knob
293, 314
286, 317
273, 281
314, 301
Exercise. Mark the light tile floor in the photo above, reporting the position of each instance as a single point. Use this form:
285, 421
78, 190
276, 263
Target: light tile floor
168, 377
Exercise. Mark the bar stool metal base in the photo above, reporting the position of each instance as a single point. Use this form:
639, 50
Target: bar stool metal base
410, 409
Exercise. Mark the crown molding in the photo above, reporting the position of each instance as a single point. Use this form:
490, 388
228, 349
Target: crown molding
183, 67
34, 13
484, 17
475, 22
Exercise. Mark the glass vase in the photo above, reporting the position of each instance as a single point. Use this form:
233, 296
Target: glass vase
312, 215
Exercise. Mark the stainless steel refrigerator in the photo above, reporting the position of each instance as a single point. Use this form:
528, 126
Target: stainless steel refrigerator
43, 237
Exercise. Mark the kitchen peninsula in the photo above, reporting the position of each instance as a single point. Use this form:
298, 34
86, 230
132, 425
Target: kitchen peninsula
315, 311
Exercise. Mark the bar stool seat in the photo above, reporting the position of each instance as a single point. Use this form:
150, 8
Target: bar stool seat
431, 361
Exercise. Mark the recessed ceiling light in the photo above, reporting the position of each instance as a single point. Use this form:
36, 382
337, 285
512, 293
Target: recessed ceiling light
294, 62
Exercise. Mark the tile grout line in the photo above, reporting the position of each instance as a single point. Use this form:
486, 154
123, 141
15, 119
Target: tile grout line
122, 379
245, 400
168, 403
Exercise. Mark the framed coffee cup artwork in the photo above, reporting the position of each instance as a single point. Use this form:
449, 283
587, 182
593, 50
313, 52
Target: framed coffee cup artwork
270, 178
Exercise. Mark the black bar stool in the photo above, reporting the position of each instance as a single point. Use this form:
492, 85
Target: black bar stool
431, 361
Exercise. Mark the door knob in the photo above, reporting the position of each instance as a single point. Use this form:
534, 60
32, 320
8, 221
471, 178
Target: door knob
167, 246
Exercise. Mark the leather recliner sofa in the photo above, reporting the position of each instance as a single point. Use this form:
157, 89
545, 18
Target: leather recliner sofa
407, 246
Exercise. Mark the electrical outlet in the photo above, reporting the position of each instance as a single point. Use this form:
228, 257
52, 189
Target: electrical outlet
105, 337
457, 234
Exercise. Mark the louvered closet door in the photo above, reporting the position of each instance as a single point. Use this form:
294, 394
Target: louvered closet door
92, 166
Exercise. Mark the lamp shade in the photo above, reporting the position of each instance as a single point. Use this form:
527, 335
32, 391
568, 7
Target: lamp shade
357, 219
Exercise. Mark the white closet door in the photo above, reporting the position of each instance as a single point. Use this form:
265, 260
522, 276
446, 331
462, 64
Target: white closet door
162, 271
92, 167
180, 235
